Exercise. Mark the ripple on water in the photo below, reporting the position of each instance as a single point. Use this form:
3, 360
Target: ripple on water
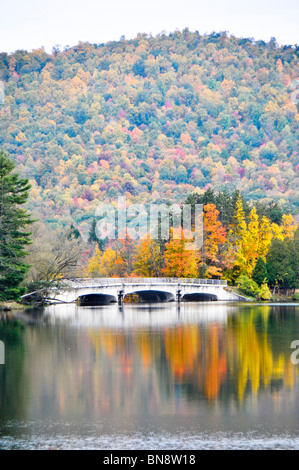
154, 442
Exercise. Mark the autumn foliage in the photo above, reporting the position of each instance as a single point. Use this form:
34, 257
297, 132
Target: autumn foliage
229, 251
153, 116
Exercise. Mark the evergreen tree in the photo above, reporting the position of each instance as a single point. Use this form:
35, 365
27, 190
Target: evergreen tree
13, 235
259, 273
294, 256
208, 197
92, 236
280, 265
225, 205
73, 233
271, 210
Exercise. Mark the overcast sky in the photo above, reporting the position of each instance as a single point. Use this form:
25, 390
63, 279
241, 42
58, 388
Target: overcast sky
30, 24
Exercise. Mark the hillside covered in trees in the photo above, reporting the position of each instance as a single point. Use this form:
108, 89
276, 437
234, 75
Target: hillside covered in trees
153, 118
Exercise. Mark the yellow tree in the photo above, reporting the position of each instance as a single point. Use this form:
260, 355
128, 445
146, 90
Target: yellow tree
214, 238
236, 236
180, 262
286, 230
92, 269
103, 264
240, 223
289, 226
247, 253
265, 237
148, 259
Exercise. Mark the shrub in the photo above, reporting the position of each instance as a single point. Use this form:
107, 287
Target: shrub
264, 292
247, 286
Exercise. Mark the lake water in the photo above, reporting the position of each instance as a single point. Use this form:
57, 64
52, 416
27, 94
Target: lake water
199, 376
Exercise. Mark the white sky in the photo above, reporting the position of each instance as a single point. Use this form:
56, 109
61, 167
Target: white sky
30, 24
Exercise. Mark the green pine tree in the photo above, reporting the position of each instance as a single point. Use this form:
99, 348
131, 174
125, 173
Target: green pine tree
225, 205
282, 264
259, 273
93, 238
14, 237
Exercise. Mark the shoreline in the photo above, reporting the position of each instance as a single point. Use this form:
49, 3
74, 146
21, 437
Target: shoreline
14, 306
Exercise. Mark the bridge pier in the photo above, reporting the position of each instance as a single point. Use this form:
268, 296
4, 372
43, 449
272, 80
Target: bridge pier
120, 297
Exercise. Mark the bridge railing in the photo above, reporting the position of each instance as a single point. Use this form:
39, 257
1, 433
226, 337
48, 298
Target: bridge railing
145, 280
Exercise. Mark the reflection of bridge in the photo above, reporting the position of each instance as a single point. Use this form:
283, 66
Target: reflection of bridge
109, 290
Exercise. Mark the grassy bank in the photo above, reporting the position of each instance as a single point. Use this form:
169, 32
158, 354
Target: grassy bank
13, 306
273, 298
10, 306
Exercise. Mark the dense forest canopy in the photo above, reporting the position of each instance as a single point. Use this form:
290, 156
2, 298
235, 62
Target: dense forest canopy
153, 118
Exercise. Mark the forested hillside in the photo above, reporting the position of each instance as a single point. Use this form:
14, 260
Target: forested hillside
153, 118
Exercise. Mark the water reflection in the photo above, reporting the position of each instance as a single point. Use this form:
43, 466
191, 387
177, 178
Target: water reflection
135, 316
199, 366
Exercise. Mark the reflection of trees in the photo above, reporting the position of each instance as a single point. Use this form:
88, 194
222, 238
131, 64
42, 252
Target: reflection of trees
240, 357
111, 372
254, 359
182, 346
215, 361
258, 349
12, 378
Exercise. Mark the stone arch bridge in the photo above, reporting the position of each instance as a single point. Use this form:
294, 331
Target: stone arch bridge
104, 291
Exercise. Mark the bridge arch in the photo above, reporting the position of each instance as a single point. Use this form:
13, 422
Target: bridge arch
96, 299
199, 297
149, 296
